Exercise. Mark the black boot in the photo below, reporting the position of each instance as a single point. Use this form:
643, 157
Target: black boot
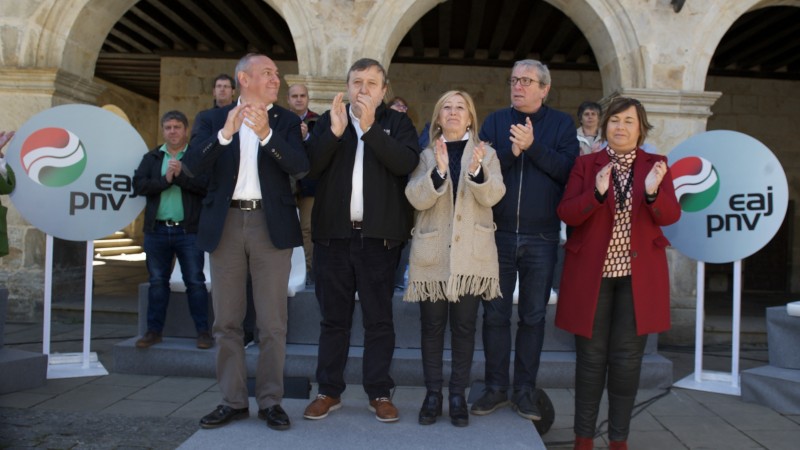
431, 408
459, 415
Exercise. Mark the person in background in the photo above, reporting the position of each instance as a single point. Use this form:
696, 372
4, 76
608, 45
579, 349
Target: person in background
615, 284
399, 104
297, 97
453, 252
249, 224
589, 129
223, 90
536, 146
171, 219
361, 154
7, 183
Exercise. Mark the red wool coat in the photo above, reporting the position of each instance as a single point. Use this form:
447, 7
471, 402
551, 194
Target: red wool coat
587, 245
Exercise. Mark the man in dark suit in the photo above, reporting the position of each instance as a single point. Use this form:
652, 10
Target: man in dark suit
249, 221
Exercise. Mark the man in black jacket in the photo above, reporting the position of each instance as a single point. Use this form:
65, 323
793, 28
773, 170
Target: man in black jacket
361, 155
170, 229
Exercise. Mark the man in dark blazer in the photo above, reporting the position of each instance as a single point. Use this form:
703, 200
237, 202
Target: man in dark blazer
249, 221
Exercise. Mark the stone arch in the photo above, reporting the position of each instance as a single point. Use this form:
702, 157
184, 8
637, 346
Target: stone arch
715, 26
616, 51
376, 41
71, 34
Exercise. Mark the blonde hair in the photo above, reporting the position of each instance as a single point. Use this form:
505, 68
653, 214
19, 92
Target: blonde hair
436, 129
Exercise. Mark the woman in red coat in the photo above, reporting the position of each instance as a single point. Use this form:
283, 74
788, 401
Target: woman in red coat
615, 284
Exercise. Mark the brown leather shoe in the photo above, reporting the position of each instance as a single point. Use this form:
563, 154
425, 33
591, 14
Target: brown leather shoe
204, 340
321, 406
149, 338
384, 410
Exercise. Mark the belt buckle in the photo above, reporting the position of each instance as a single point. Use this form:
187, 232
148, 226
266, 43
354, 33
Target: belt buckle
247, 205
171, 223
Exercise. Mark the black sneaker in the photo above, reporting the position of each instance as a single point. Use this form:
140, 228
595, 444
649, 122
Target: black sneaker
490, 402
524, 403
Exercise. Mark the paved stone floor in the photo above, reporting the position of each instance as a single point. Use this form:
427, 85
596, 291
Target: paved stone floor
122, 411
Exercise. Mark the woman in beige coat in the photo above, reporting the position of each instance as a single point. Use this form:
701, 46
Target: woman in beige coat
453, 263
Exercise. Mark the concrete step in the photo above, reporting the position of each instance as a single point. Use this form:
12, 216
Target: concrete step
177, 355
117, 242
121, 250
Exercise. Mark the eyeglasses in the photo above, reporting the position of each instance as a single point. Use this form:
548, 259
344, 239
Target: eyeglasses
523, 81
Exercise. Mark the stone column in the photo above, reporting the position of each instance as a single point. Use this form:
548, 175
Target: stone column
675, 115
26, 92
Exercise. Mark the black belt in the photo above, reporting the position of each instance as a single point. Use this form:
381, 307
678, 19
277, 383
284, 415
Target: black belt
246, 205
168, 222
356, 224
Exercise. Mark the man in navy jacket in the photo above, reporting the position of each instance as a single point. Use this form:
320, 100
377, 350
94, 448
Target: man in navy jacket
536, 146
249, 221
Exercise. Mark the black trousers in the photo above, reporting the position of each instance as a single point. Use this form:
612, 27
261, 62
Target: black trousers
614, 349
434, 317
342, 267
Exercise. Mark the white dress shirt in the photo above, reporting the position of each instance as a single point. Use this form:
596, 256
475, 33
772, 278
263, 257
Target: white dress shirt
357, 195
248, 186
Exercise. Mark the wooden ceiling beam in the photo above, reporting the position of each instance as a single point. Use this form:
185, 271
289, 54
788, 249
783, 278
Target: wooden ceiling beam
161, 28
252, 34
535, 23
445, 11
180, 23
199, 10
119, 34
502, 27
476, 17
557, 41
133, 26
417, 40
270, 26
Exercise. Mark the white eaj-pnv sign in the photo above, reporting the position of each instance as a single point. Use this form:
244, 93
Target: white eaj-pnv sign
733, 195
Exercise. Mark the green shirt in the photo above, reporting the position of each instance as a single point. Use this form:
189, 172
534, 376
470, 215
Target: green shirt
171, 205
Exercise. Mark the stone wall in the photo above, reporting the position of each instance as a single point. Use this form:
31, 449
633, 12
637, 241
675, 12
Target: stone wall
186, 83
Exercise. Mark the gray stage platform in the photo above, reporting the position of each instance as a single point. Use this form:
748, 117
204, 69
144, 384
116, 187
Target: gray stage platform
353, 427
19, 369
778, 384
177, 355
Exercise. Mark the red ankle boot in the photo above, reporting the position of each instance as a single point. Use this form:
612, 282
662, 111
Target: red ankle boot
582, 443
618, 445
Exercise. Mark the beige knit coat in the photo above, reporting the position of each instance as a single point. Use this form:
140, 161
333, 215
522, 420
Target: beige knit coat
453, 252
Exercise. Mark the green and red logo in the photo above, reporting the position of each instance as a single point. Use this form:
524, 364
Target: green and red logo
53, 157
696, 183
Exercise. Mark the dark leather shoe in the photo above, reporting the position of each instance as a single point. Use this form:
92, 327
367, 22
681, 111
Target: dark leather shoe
459, 415
276, 417
150, 338
431, 408
204, 340
222, 416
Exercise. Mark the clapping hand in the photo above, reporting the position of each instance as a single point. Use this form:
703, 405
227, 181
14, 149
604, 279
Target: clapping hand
521, 137
654, 177
603, 179
338, 115
440, 152
477, 157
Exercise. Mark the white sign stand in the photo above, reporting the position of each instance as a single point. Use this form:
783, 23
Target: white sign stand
70, 365
711, 381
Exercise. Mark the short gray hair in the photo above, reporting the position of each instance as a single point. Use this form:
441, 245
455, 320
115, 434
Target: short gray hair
541, 69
